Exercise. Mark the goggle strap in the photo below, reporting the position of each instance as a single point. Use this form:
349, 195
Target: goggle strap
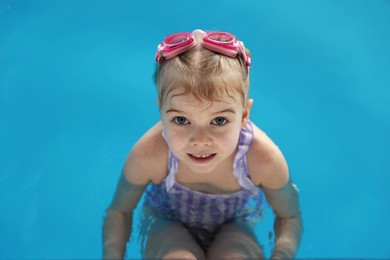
247, 57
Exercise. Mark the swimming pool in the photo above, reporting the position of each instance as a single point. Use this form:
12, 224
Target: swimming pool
76, 92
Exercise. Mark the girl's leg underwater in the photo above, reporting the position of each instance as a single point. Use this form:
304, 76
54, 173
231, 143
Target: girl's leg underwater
235, 241
171, 240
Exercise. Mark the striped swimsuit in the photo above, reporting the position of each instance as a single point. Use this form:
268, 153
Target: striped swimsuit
204, 213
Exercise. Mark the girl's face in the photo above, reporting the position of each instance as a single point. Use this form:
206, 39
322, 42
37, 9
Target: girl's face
202, 134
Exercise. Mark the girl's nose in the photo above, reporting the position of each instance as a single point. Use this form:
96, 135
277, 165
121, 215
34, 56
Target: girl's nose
200, 137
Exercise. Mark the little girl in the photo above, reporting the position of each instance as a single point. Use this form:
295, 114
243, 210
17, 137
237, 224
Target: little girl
207, 164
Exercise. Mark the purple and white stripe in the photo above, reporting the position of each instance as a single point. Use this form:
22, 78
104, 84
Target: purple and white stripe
201, 210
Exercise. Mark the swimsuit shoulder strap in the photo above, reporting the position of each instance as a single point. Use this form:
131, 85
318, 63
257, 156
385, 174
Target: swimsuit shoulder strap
240, 168
172, 167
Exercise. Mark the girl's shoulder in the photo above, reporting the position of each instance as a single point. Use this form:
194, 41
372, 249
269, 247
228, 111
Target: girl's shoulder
266, 163
148, 159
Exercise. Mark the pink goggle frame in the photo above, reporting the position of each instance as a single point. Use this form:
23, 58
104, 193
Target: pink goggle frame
221, 42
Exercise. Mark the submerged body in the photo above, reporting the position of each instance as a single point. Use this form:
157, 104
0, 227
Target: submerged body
204, 213
205, 169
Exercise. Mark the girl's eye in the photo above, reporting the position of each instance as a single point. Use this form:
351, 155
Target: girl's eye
180, 120
219, 121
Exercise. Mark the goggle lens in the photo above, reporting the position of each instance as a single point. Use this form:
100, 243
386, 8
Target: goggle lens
221, 37
176, 39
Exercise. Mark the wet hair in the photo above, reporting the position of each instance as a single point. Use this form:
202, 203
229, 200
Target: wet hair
205, 74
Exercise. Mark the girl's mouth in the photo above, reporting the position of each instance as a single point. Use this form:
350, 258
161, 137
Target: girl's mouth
202, 158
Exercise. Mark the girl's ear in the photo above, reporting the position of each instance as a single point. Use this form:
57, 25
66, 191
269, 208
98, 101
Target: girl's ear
245, 115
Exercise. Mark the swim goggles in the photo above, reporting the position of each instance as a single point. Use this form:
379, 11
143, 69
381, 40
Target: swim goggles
221, 42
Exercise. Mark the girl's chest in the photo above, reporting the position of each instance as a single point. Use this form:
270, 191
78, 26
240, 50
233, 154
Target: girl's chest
223, 182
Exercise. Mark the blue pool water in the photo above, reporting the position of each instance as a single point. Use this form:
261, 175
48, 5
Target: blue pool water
76, 92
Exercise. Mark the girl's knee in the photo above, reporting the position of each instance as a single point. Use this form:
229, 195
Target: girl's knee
179, 254
230, 255
235, 241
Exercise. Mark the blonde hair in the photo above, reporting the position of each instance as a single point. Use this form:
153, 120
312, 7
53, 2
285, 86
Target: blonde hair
205, 74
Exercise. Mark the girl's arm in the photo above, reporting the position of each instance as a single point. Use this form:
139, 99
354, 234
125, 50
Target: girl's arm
147, 162
117, 224
288, 223
268, 169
